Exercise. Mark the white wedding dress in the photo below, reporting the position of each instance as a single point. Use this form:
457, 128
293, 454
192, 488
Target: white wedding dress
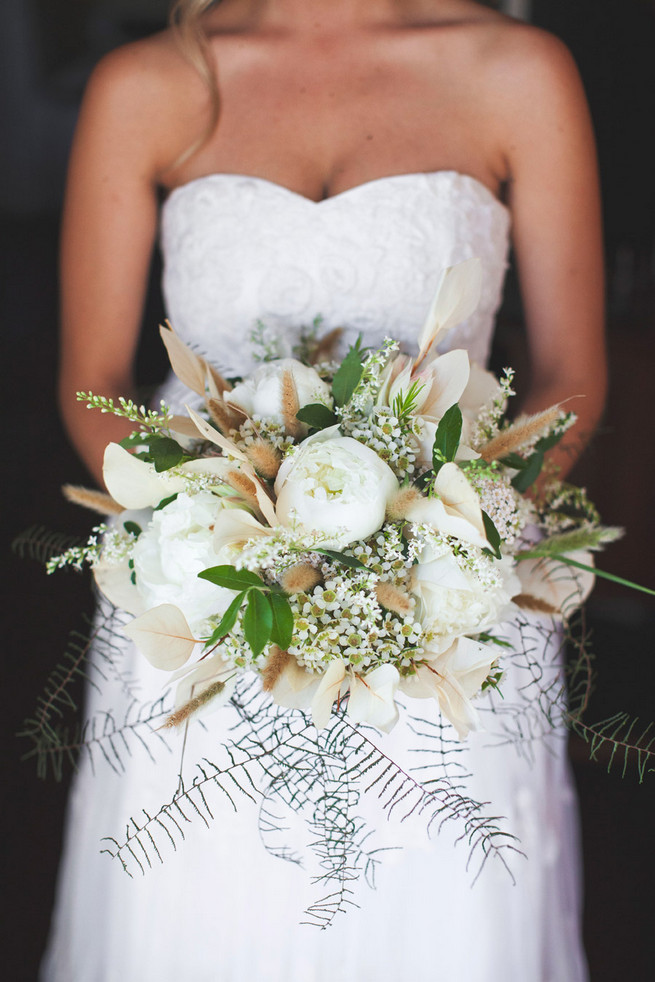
220, 908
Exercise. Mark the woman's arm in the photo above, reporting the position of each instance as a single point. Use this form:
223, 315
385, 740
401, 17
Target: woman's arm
555, 204
128, 133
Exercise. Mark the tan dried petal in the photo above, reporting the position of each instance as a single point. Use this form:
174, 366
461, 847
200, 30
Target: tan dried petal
391, 598
243, 485
96, 501
265, 458
325, 348
182, 714
527, 602
276, 662
400, 503
221, 415
300, 578
290, 406
522, 431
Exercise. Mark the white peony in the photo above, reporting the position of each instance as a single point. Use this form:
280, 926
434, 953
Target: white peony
334, 485
454, 601
176, 546
261, 393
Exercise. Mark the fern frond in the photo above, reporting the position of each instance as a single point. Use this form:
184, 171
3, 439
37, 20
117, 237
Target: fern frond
619, 742
42, 544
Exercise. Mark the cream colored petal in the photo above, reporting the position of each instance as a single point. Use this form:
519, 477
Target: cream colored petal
295, 688
328, 691
183, 426
456, 706
450, 375
562, 587
135, 483
115, 583
212, 434
372, 698
432, 511
482, 387
470, 662
163, 635
189, 367
457, 296
458, 496
235, 526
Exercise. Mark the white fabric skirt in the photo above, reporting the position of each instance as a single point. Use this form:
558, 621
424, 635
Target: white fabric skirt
220, 908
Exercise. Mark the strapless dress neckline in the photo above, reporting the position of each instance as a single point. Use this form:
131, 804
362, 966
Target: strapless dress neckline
242, 250
373, 184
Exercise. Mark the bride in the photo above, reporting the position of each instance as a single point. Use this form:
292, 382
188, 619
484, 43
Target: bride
326, 157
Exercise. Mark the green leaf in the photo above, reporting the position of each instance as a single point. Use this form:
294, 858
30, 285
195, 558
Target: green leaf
258, 621
316, 415
530, 472
165, 451
341, 557
347, 377
282, 629
549, 441
231, 578
447, 437
493, 536
132, 527
227, 621
137, 439
166, 501
515, 461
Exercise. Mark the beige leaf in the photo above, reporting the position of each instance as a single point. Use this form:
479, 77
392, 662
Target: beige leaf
457, 296
163, 635
190, 368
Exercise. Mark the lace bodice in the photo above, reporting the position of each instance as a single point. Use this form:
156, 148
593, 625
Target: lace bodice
242, 249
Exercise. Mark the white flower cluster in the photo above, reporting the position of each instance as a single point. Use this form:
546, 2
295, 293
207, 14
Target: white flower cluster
90, 552
338, 620
392, 442
506, 508
255, 428
489, 416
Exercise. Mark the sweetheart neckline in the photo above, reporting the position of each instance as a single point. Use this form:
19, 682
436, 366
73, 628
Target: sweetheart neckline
323, 202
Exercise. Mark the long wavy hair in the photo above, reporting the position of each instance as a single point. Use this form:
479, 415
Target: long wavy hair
186, 22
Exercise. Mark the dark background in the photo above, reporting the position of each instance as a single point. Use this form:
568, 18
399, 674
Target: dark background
47, 48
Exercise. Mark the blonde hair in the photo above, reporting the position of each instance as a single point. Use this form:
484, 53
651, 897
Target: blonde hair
185, 20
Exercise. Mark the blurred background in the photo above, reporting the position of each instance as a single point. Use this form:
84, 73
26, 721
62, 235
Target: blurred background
47, 50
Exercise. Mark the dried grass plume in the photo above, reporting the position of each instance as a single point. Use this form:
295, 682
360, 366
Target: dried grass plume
97, 501
276, 662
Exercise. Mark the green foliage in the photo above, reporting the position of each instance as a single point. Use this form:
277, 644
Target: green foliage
529, 471
268, 618
342, 558
282, 626
228, 620
493, 536
347, 376
42, 545
317, 416
447, 437
620, 743
257, 621
405, 402
231, 578
149, 419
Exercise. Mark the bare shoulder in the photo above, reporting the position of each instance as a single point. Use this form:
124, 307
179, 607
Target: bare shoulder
149, 92
521, 63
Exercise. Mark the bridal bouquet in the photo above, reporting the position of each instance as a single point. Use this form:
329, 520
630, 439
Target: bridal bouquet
347, 531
